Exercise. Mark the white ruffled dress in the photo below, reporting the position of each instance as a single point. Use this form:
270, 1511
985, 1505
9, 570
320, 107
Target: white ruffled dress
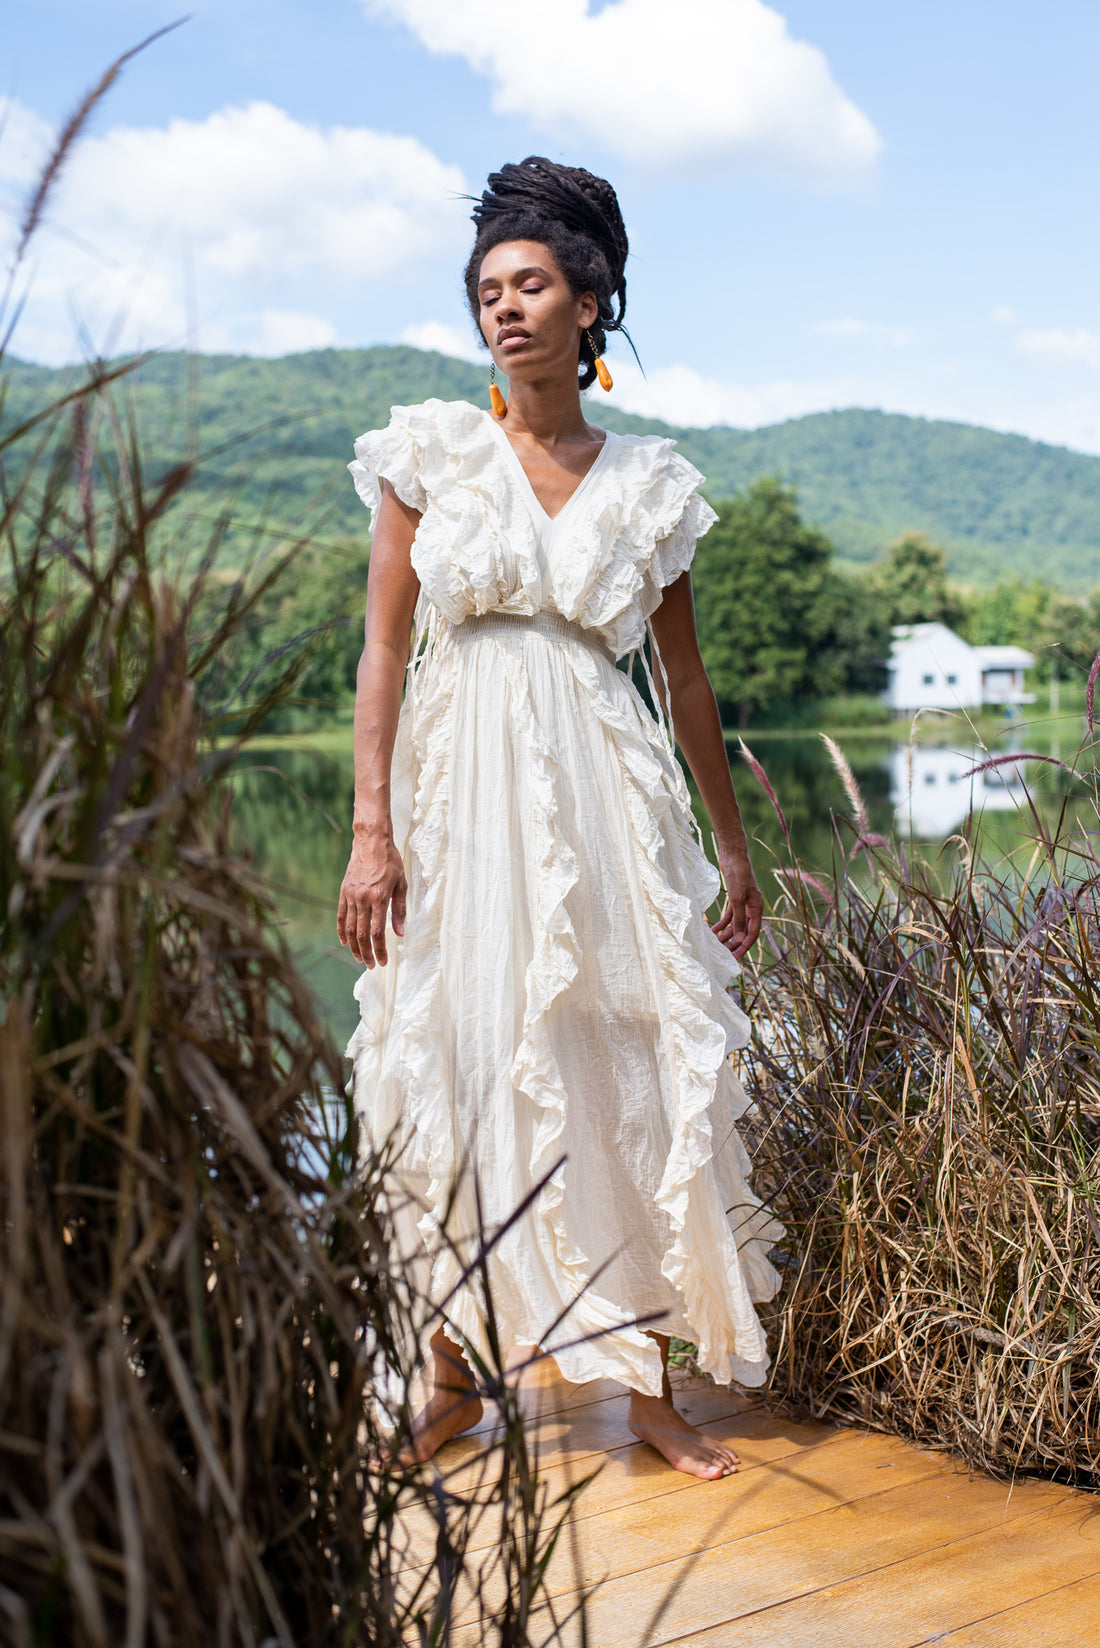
558, 1009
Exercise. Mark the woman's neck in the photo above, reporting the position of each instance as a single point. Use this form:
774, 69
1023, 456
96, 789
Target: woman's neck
548, 411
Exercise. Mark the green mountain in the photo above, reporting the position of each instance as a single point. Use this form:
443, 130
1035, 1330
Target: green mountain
277, 434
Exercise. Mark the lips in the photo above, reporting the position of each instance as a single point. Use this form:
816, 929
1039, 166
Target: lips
512, 335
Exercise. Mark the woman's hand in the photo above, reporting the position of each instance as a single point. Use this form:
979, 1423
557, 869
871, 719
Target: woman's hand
738, 927
374, 882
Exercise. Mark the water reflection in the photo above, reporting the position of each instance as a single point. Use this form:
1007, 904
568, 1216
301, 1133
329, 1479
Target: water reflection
932, 795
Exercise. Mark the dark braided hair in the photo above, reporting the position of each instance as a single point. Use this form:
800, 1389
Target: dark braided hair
577, 216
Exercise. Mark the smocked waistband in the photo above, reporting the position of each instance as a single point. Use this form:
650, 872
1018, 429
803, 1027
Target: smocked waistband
514, 623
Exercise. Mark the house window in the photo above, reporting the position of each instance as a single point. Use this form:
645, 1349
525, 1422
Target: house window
952, 680
928, 680
929, 778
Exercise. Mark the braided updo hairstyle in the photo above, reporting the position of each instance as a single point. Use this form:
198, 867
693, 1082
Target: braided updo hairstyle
577, 216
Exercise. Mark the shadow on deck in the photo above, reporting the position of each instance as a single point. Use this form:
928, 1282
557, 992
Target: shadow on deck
825, 1538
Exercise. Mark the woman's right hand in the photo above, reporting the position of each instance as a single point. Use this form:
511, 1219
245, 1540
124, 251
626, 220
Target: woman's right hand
374, 882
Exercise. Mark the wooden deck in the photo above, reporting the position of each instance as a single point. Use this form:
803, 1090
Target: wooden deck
825, 1538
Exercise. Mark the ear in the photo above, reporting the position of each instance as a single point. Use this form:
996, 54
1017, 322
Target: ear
588, 310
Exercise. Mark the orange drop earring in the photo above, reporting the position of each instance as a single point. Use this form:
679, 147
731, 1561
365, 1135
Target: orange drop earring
496, 399
606, 380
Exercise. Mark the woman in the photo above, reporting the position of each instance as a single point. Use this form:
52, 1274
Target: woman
555, 1018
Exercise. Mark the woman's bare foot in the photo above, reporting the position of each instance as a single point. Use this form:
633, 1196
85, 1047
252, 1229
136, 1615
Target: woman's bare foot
447, 1413
654, 1419
454, 1405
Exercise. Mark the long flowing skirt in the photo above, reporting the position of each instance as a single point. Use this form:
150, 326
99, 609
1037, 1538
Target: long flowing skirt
558, 1015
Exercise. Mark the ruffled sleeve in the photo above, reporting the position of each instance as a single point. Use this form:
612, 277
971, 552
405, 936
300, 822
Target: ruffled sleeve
394, 454
674, 553
637, 544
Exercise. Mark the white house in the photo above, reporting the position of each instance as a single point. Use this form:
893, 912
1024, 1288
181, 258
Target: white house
930, 667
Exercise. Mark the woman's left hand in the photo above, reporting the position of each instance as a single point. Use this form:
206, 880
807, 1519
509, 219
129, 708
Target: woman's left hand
738, 927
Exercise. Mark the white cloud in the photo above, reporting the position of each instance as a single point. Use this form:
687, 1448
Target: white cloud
681, 395
1078, 348
24, 145
240, 208
894, 337
457, 341
1005, 315
290, 332
699, 81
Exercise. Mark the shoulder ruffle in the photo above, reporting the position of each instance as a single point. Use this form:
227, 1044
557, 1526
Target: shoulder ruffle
636, 543
394, 454
475, 550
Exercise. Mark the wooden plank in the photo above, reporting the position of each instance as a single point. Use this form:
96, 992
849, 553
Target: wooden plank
597, 1428
763, 1522
1066, 1618
890, 1601
804, 1546
728, 1580
634, 1474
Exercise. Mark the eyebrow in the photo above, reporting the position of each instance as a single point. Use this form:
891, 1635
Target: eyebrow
520, 274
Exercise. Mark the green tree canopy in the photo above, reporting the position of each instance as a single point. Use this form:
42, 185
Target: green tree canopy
912, 581
1069, 636
1063, 631
309, 621
1009, 614
776, 623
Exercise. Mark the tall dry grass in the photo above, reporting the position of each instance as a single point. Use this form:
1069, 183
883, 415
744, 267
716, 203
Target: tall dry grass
196, 1286
926, 1063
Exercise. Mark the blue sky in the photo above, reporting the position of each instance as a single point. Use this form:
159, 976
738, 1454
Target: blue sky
829, 205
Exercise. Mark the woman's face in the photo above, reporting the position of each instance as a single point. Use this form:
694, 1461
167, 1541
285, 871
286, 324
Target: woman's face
530, 319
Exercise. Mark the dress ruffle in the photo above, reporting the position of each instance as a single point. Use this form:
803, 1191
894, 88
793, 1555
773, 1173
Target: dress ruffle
476, 549
551, 709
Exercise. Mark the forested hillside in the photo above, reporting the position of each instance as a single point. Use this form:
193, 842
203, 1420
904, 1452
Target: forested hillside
278, 433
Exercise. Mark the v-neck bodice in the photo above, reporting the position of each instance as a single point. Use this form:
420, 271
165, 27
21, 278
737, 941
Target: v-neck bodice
545, 523
485, 544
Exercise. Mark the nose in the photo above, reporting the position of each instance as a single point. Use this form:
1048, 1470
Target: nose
508, 308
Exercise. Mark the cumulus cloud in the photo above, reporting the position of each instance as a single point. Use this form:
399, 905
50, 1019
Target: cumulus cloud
243, 206
1080, 348
894, 337
25, 140
447, 339
704, 81
290, 332
681, 395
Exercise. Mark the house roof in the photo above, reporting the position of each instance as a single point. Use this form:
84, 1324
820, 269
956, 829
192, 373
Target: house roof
1005, 657
908, 635
989, 658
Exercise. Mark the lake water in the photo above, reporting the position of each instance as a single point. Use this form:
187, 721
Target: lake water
292, 813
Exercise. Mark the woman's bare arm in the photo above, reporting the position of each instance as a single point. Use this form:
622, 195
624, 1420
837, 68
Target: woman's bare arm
699, 734
375, 877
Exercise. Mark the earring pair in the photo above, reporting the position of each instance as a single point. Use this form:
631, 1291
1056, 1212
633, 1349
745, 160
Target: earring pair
500, 405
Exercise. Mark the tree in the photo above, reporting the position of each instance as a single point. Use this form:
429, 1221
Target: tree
1063, 631
312, 618
1068, 637
851, 635
775, 621
1009, 614
913, 583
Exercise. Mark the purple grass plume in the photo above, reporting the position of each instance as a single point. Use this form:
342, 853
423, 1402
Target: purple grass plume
865, 836
766, 785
